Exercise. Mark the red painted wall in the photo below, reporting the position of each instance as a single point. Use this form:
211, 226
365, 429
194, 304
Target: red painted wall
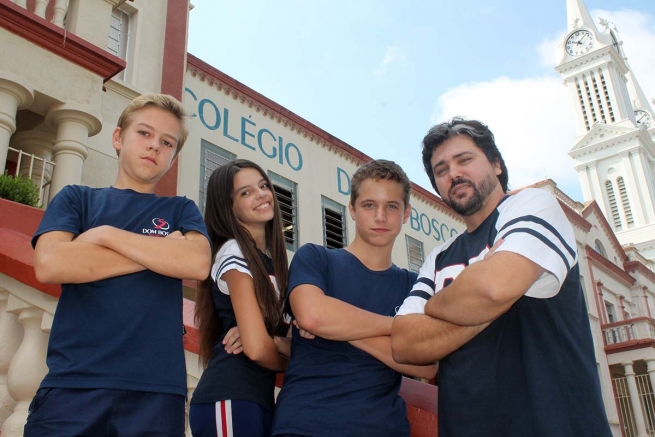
174, 66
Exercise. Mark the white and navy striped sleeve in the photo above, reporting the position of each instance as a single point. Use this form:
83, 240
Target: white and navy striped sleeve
533, 225
229, 257
424, 288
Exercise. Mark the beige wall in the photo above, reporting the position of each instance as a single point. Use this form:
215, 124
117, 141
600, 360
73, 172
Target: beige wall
317, 170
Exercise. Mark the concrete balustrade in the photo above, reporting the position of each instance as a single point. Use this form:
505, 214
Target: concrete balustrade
61, 7
11, 335
41, 6
28, 366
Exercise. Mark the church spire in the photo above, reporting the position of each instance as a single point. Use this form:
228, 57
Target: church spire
578, 16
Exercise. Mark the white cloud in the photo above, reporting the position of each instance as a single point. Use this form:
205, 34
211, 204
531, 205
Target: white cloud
550, 51
532, 118
391, 56
637, 31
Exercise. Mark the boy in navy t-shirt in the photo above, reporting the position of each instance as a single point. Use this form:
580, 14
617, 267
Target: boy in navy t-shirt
115, 356
344, 381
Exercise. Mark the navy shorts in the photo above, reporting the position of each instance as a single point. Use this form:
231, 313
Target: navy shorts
231, 418
65, 412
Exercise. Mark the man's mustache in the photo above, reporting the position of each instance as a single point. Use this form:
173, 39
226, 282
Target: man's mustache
460, 181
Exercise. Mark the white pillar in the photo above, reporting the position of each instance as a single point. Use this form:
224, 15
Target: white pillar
21, 3
28, 366
634, 399
15, 94
74, 127
40, 7
635, 200
585, 181
598, 189
61, 7
644, 185
11, 335
650, 362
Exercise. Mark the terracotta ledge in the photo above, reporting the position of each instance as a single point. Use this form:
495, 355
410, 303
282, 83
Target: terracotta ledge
17, 225
630, 346
57, 40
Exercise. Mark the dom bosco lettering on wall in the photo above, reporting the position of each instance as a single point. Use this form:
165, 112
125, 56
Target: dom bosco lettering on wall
244, 131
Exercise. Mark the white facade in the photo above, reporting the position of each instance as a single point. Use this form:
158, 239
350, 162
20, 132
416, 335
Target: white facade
614, 152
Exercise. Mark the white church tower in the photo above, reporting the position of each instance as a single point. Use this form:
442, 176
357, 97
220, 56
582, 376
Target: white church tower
614, 150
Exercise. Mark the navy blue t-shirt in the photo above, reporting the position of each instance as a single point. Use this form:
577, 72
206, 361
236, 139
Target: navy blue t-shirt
123, 332
331, 387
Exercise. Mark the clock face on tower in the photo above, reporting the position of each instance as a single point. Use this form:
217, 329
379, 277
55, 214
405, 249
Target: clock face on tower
579, 42
642, 117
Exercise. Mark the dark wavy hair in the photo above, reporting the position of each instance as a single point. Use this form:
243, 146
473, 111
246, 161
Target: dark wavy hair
222, 225
477, 131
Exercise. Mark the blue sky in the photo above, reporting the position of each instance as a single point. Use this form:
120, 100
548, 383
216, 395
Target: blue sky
378, 74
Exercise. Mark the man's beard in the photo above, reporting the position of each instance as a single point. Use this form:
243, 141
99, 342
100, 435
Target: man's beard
475, 202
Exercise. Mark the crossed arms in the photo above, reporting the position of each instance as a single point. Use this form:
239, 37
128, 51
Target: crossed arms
106, 252
334, 319
453, 316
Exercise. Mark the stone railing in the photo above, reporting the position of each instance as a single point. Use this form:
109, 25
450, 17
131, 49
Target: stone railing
25, 321
640, 328
46, 8
33, 167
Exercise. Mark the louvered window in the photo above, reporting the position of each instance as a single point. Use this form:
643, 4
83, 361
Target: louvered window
334, 224
414, 253
616, 218
211, 158
285, 193
625, 202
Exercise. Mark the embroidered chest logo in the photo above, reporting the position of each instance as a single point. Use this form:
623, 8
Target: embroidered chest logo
159, 228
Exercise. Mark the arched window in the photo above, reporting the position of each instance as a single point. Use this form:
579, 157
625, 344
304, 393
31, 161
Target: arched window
616, 218
598, 247
625, 201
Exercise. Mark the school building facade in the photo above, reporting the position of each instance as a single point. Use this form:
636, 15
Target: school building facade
68, 70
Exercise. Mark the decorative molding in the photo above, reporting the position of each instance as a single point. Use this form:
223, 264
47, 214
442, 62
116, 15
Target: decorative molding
58, 41
594, 56
607, 230
575, 218
609, 267
638, 267
630, 346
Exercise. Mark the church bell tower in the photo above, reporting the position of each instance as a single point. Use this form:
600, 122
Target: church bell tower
614, 151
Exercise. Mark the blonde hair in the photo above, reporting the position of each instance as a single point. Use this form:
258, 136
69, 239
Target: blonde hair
162, 101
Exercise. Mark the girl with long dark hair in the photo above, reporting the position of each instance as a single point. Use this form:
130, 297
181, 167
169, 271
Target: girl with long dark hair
246, 288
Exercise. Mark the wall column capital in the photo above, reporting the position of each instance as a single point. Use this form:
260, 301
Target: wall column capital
15, 94
74, 126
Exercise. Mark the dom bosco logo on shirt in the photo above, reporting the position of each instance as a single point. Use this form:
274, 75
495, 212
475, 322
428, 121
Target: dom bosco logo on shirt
159, 228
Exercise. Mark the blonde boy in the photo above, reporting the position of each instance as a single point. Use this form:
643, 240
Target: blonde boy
115, 356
